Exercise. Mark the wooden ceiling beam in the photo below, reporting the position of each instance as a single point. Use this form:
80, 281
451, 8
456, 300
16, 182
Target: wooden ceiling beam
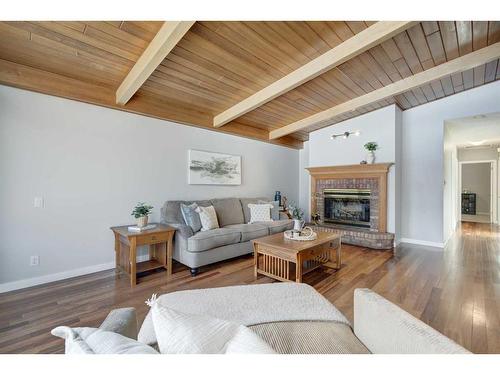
29, 78
359, 43
164, 41
449, 68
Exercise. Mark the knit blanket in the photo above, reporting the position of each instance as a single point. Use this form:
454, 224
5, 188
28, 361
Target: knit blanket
249, 305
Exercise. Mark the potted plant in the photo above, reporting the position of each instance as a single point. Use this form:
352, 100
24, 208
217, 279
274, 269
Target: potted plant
141, 212
371, 147
297, 216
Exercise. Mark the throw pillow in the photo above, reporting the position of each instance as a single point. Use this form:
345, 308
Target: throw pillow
97, 341
260, 212
208, 218
275, 210
191, 217
180, 333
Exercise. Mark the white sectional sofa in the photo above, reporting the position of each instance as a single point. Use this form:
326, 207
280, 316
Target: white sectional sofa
291, 318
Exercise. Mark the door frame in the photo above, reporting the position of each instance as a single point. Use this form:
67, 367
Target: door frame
494, 181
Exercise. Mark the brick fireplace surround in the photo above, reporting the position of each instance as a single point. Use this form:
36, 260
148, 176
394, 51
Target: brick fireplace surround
362, 176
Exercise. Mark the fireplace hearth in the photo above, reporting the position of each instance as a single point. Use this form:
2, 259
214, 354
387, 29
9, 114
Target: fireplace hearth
347, 207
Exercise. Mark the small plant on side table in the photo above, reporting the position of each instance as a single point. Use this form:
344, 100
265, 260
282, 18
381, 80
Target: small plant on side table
141, 212
371, 147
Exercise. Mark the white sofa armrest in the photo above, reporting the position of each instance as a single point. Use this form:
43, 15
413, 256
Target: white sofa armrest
384, 328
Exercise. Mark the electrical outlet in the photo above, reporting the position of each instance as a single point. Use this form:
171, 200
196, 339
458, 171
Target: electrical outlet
34, 260
38, 202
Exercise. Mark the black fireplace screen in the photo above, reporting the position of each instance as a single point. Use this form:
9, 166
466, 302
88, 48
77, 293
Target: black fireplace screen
347, 206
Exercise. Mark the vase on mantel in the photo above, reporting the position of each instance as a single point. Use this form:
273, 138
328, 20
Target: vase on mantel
371, 157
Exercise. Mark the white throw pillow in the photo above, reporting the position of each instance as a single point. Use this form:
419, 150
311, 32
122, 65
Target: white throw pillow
180, 333
260, 212
208, 218
87, 340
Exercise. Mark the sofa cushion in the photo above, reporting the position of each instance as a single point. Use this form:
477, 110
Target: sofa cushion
275, 210
244, 205
250, 231
171, 210
308, 337
210, 239
208, 218
122, 321
228, 211
181, 333
191, 217
278, 225
88, 340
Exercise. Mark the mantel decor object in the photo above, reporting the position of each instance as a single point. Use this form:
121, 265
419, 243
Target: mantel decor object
371, 147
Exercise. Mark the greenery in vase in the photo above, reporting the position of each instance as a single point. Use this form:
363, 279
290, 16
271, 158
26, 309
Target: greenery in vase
141, 210
371, 146
297, 213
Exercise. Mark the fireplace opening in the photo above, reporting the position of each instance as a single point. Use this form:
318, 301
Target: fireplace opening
347, 206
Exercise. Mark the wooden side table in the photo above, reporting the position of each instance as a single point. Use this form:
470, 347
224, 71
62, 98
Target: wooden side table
159, 240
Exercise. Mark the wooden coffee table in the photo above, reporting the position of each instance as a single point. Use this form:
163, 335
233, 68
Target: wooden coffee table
278, 258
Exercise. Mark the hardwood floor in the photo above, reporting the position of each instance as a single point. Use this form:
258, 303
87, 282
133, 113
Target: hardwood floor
456, 291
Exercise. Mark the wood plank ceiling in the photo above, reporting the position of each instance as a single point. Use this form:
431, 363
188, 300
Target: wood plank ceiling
217, 64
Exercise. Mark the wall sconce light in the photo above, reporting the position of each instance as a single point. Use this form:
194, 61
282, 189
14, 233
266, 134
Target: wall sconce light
345, 135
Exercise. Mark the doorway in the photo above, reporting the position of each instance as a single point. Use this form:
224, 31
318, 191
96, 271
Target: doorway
477, 199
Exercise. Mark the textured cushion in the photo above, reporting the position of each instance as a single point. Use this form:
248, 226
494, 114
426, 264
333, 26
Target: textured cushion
181, 333
122, 321
278, 226
306, 337
394, 331
191, 217
250, 231
228, 211
96, 341
208, 218
275, 210
210, 239
244, 205
260, 212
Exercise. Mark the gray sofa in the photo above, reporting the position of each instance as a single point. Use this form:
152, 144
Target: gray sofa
232, 239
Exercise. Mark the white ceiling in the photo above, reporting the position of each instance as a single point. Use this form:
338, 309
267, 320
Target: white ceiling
475, 131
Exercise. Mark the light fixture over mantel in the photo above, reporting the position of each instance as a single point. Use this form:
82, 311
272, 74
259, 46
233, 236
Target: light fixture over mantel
345, 135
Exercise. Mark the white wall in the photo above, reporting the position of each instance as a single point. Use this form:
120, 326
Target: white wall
423, 158
476, 178
304, 181
378, 126
92, 165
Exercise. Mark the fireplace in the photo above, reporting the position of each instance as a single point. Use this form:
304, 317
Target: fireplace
347, 206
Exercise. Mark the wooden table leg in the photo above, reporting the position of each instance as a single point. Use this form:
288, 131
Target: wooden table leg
117, 252
255, 259
338, 260
169, 255
298, 269
133, 261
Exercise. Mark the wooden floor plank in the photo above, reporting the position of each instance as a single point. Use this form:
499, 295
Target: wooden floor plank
456, 291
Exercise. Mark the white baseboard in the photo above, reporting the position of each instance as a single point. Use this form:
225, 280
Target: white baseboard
25, 283
439, 245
